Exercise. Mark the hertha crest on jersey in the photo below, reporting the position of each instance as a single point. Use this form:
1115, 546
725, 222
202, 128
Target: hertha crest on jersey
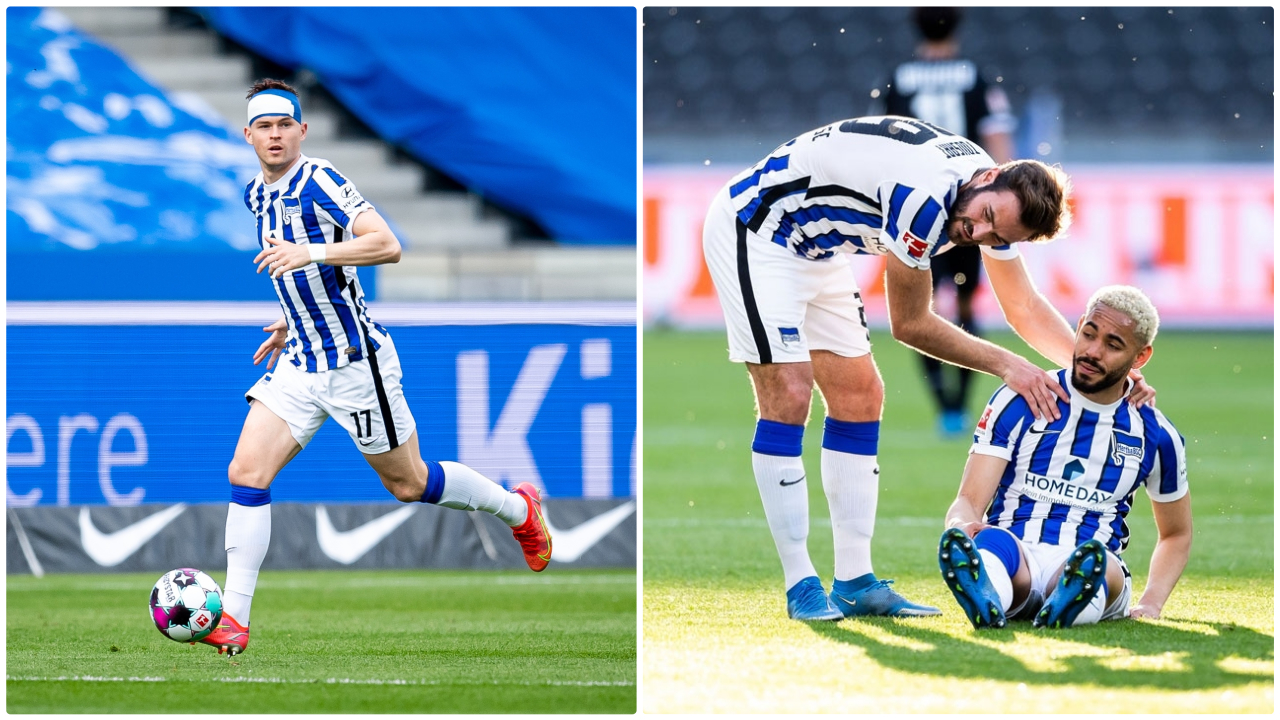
292, 209
1123, 446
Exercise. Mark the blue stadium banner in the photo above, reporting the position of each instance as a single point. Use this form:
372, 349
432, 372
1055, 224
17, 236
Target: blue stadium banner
130, 403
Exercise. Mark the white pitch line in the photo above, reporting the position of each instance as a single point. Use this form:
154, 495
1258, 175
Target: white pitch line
326, 681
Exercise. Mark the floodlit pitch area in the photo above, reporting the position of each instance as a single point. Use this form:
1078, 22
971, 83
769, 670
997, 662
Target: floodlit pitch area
334, 642
716, 636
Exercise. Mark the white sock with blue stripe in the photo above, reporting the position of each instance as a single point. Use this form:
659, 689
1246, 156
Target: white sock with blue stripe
851, 479
454, 485
779, 472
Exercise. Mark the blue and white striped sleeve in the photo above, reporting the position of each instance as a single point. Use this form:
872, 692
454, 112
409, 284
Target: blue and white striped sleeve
1001, 424
335, 198
913, 224
1168, 479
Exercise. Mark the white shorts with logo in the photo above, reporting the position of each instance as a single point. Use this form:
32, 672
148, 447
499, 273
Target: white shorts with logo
1044, 560
779, 306
361, 396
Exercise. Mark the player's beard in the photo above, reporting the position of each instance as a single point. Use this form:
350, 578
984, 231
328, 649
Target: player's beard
1107, 380
955, 226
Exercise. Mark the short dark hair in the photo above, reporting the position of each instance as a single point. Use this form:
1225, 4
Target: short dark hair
269, 84
1044, 192
936, 23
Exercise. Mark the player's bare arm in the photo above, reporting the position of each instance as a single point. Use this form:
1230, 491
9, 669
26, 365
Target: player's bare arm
914, 323
274, 344
1173, 524
977, 488
374, 244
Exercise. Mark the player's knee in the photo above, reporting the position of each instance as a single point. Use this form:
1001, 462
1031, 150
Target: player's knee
1003, 545
246, 474
406, 493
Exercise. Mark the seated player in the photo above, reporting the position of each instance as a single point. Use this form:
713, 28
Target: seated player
1038, 526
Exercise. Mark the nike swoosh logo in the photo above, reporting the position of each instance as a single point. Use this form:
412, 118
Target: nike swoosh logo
784, 483
1043, 431
351, 545
109, 550
367, 444
573, 544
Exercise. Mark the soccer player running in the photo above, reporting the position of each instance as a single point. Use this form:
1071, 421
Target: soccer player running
314, 227
942, 88
777, 240
1038, 526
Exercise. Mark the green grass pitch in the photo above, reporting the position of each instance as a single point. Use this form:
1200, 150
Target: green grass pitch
715, 633
334, 642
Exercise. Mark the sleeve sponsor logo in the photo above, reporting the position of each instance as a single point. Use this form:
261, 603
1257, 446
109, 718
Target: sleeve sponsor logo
986, 416
916, 247
351, 198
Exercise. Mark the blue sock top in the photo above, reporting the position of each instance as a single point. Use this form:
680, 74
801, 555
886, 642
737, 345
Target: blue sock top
775, 438
250, 497
855, 438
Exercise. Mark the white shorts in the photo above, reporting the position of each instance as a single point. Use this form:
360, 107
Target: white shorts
779, 306
1043, 560
361, 396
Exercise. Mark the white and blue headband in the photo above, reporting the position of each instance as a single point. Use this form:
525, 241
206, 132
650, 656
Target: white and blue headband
274, 102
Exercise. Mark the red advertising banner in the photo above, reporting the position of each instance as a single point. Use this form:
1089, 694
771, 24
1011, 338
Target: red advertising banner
1200, 240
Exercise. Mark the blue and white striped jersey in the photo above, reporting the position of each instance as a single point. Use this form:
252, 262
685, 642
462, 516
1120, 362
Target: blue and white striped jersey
329, 325
871, 185
1074, 479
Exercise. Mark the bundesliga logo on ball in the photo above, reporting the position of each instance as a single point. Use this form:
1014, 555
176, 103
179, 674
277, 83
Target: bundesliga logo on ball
186, 604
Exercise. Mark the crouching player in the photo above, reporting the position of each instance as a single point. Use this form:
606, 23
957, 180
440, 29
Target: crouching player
1038, 526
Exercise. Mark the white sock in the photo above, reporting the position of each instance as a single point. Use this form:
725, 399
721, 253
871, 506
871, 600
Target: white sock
1000, 579
466, 489
786, 507
852, 484
248, 535
1092, 613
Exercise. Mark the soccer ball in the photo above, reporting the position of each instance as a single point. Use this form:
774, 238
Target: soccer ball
186, 604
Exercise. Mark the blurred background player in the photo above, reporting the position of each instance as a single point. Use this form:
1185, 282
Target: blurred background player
314, 227
942, 88
1038, 526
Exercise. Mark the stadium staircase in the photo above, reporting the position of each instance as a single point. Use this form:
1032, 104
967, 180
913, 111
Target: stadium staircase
455, 247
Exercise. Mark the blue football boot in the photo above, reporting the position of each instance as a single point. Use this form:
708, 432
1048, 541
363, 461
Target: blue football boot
966, 578
870, 596
806, 600
1082, 578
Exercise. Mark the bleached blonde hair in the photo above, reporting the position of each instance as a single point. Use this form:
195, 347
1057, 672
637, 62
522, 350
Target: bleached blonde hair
1132, 302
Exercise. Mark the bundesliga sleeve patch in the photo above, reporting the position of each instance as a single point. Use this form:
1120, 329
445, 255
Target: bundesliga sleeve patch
916, 247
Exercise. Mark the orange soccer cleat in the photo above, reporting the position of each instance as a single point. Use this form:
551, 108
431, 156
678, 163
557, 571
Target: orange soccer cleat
533, 535
230, 636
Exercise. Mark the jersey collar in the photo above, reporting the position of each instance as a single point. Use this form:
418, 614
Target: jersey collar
285, 179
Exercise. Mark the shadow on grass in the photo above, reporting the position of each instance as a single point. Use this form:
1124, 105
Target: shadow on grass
1185, 655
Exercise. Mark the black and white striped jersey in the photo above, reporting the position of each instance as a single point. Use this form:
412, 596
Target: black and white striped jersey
871, 185
1074, 479
329, 325
951, 94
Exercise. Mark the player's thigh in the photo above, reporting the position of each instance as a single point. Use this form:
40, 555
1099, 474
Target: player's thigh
367, 399
265, 446
764, 291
